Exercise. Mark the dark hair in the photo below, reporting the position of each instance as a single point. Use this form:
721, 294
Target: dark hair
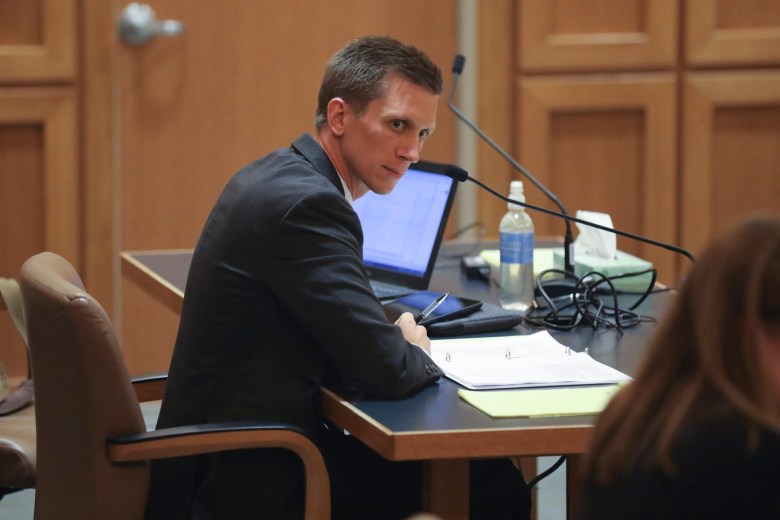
706, 348
358, 73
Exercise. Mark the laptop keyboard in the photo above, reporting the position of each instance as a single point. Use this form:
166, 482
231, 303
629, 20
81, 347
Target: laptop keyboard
385, 291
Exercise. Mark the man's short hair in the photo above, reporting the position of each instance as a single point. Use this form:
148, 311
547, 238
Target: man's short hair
358, 73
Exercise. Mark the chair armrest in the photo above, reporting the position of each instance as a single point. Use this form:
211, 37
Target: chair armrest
210, 438
204, 438
149, 387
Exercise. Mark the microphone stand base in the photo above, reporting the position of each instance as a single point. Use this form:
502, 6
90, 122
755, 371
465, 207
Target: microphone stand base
557, 288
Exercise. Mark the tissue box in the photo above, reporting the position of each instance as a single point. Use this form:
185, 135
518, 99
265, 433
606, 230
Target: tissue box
622, 263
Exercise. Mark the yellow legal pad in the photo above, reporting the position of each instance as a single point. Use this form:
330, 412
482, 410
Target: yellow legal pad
546, 402
544, 258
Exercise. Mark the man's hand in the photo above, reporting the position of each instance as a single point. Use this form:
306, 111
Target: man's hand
413, 333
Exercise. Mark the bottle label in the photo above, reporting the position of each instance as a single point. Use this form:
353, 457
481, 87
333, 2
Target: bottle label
517, 248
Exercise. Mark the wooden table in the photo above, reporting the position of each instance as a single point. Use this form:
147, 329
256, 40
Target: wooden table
435, 425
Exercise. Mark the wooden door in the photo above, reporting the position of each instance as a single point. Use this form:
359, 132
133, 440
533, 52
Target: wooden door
239, 82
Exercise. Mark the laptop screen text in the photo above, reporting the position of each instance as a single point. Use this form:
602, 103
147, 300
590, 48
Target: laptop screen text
402, 228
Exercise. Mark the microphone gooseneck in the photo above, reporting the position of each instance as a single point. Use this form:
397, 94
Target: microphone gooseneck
568, 240
459, 174
457, 65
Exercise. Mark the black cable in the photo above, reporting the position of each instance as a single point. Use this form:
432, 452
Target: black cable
546, 473
593, 301
568, 241
632, 236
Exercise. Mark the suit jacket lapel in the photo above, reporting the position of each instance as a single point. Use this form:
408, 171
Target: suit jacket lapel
309, 148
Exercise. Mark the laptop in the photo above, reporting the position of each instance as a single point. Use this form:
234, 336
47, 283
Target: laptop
402, 231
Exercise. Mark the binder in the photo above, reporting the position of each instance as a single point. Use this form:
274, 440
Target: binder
489, 318
519, 361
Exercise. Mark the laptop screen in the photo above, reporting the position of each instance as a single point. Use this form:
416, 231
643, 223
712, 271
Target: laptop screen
402, 231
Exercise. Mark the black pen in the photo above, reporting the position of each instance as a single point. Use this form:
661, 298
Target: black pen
430, 308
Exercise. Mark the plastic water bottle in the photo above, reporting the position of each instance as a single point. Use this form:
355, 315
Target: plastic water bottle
516, 233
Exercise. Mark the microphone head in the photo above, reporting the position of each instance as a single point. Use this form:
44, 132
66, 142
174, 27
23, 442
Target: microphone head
457, 65
456, 172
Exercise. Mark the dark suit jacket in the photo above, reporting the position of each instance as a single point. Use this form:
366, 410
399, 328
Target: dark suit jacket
277, 292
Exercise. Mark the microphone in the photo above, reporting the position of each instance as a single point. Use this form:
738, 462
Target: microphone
461, 175
568, 240
556, 287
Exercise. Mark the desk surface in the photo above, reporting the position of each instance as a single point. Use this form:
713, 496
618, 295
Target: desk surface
435, 422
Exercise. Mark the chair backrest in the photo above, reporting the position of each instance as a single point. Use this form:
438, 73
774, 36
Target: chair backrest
17, 417
83, 396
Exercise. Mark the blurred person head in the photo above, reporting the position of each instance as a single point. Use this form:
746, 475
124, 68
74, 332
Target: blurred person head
716, 351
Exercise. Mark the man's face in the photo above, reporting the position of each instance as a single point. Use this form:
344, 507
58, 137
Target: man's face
378, 146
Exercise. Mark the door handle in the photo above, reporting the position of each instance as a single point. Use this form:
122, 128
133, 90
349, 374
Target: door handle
138, 24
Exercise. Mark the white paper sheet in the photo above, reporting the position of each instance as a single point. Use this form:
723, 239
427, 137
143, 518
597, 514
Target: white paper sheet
518, 362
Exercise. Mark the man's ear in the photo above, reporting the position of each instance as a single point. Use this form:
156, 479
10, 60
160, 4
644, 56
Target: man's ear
337, 112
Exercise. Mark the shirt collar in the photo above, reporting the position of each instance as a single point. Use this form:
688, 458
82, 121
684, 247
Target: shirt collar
347, 193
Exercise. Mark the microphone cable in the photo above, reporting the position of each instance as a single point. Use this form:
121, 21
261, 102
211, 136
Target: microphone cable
562, 286
546, 473
459, 174
577, 295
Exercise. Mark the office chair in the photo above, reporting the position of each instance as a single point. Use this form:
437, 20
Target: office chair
92, 444
17, 416
17, 451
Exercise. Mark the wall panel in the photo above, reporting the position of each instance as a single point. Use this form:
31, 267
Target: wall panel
576, 35
37, 41
608, 145
732, 32
731, 150
494, 108
38, 189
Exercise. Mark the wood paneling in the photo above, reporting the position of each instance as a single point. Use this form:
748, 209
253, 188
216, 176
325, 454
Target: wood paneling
37, 41
731, 150
605, 144
21, 223
494, 108
54, 111
732, 32
21, 194
38, 190
239, 82
99, 112
719, 148
577, 35
20, 22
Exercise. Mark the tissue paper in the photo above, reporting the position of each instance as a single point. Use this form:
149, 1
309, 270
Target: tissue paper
592, 241
596, 250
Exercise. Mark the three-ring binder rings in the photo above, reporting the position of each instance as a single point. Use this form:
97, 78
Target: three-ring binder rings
518, 362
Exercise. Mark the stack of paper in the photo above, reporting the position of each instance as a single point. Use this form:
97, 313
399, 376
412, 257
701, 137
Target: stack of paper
546, 402
517, 362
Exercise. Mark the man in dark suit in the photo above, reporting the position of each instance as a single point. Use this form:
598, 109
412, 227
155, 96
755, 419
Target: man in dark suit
277, 299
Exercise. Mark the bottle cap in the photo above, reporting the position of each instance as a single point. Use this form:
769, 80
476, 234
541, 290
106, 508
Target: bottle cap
516, 193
